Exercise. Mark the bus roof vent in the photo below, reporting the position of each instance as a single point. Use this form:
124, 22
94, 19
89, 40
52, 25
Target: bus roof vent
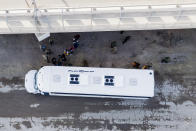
133, 82
109, 81
96, 80
56, 78
74, 79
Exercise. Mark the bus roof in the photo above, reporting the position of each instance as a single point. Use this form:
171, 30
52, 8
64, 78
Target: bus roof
102, 81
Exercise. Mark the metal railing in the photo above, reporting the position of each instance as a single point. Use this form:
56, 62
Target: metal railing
143, 17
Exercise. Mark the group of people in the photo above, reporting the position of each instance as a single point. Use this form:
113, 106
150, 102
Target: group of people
75, 42
60, 59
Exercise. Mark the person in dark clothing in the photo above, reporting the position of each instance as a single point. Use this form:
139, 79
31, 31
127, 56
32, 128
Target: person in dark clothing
54, 61
76, 37
51, 41
121, 32
166, 60
113, 44
146, 67
126, 39
59, 56
135, 65
71, 50
43, 48
76, 44
48, 59
59, 62
63, 57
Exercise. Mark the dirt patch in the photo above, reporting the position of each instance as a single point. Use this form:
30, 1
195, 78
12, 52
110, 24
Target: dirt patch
95, 124
27, 124
154, 104
17, 126
14, 80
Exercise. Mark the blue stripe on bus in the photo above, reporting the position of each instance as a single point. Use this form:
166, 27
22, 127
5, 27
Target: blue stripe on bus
74, 82
109, 84
97, 95
112, 77
74, 75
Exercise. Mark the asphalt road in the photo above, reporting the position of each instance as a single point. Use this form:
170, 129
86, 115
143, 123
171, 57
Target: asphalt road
172, 108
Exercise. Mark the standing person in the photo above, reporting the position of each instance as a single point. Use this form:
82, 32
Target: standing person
76, 37
66, 52
147, 66
48, 58
135, 65
76, 41
51, 41
71, 50
126, 39
76, 44
59, 61
43, 47
53, 60
63, 57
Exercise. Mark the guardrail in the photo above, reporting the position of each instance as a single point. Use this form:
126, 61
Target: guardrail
143, 17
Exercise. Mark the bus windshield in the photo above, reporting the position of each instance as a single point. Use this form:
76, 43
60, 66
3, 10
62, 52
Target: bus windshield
36, 87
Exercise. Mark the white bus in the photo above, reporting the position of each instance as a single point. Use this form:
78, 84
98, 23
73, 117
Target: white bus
91, 82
